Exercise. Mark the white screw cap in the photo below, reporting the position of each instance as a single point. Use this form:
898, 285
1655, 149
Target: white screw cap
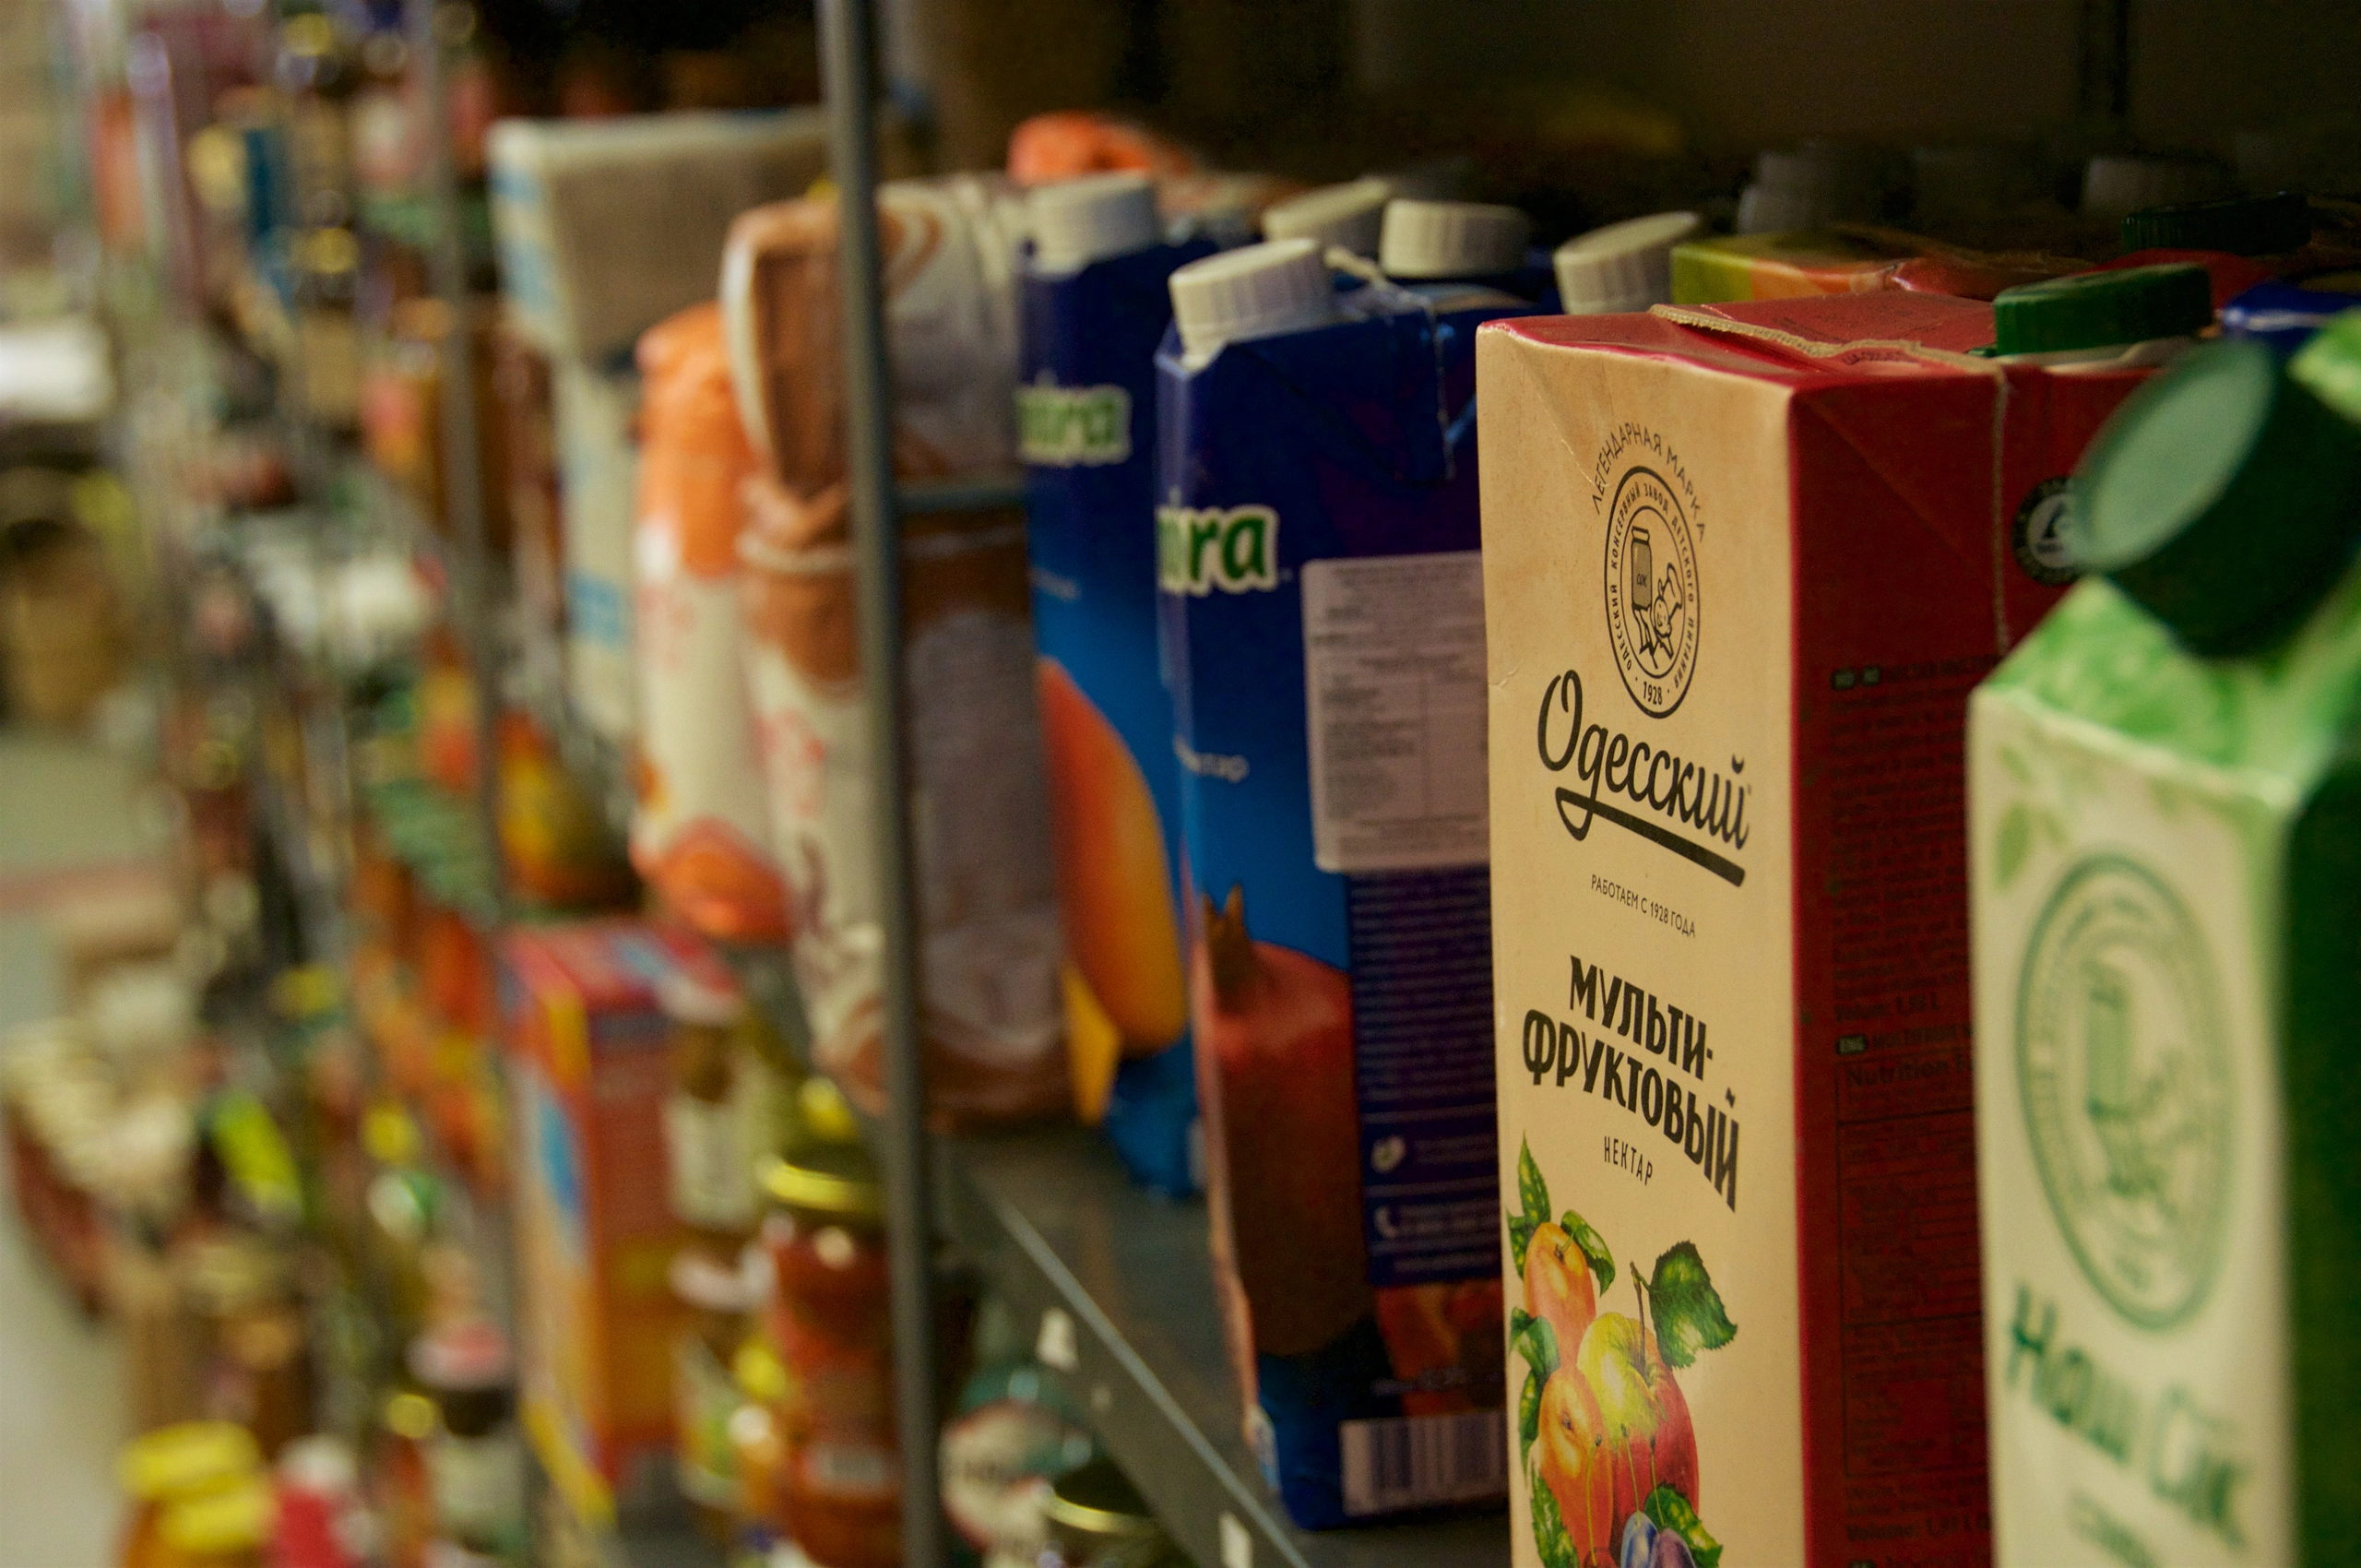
2115, 184
1253, 292
1349, 215
1076, 222
1623, 267
688, 999
1805, 189
1451, 239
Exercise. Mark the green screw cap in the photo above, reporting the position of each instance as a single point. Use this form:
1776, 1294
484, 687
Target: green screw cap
2330, 363
2098, 310
2264, 225
2224, 496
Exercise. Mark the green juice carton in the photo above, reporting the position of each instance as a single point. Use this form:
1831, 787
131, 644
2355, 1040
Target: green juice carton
2164, 802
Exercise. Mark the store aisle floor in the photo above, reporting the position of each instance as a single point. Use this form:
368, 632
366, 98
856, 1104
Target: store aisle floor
69, 816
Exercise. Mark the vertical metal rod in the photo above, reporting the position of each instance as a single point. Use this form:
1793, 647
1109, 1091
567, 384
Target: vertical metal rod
847, 38
462, 464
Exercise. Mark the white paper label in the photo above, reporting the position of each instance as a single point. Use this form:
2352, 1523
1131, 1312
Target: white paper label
712, 1179
1394, 685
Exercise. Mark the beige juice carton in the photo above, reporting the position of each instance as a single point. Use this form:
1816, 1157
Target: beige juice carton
1741, 570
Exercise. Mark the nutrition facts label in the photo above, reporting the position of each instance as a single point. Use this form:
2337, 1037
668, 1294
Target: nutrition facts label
1394, 679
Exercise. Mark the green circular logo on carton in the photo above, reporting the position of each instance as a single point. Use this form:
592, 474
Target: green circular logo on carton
2124, 1074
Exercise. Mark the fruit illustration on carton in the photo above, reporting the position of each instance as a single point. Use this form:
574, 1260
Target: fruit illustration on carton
1608, 1448
1114, 879
1275, 1076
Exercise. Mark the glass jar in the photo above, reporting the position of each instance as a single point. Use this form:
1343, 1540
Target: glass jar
721, 1302
171, 1463
707, 1150
1098, 1519
254, 1353
831, 1318
476, 1463
759, 1452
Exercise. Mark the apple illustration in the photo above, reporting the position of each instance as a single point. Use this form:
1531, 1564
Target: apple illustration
1614, 1427
1274, 1079
1558, 1286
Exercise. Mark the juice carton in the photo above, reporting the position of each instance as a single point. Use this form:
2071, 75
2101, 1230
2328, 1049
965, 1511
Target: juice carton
1741, 569
1095, 307
2166, 838
594, 1232
1324, 634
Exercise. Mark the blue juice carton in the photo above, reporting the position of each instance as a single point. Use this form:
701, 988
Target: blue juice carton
1322, 621
1097, 303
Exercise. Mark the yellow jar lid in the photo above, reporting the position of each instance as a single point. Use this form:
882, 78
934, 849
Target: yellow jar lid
220, 1523
762, 1376
819, 1181
186, 1457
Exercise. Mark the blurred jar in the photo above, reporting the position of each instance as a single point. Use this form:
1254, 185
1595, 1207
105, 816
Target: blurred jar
831, 1319
758, 1449
253, 1349
721, 1302
476, 1463
171, 1464
706, 1117
1098, 1520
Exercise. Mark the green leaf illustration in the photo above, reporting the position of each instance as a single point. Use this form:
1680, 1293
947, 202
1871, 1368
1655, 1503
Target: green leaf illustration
1530, 1188
1671, 1512
1537, 1343
2016, 842
1520, 1229
1688, 1311
1528, 1413
1594, 1248
1557, 1548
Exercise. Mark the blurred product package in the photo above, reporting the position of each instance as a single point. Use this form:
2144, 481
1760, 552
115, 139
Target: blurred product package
991, 1014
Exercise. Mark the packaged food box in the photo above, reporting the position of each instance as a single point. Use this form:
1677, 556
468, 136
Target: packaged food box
2166, 841
606, 227
598, 491
1741, 569
594, 1233
1324, 632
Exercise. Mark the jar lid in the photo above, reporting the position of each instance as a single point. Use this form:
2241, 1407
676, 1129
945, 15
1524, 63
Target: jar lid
2095, 310
709, 1285
698, 1001
1623, 267
1253, 292
235, 1518
2224, 497
761, 1375
470, 1355
1076, 222
1451, 239
1350, 216
187, 1456
823, 1113
835, 1181
1098, 1499
2259, 225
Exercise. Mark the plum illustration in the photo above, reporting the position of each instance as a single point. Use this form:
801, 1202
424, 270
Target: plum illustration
1639, 1542
1671, 1552
1114, 880
1275, 1076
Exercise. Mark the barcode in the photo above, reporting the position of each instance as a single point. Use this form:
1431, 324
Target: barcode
1414, 1461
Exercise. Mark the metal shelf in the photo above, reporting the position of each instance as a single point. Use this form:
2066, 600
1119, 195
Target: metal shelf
1117, 1286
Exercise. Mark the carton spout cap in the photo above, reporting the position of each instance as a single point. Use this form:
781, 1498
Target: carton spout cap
1096, 218
1253, 292
2224, 496
1625, 266
1451, 239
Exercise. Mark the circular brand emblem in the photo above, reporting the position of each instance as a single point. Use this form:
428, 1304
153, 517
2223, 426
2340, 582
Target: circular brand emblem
2125, 1080
2040, 539
1652, 617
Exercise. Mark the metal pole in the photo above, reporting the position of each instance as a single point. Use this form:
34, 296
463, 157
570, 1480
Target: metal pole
462, 464
847, 45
